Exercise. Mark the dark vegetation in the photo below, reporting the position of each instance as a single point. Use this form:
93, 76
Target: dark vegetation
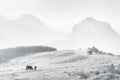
94, 50
10, 53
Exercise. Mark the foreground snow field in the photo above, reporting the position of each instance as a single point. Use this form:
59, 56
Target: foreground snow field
63, 65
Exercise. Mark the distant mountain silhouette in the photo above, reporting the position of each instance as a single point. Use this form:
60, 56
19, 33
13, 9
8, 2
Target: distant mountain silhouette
91, 32
26, 30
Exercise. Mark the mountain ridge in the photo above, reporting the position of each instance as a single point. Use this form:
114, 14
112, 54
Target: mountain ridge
91, 32
26, 30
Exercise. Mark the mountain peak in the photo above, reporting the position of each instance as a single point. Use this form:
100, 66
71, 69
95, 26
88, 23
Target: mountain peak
88, 19
29, 18
90, 25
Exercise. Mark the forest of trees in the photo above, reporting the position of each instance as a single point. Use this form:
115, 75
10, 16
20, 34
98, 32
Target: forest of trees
10, 53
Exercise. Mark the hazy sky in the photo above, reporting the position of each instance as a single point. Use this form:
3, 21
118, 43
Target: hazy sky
62, 15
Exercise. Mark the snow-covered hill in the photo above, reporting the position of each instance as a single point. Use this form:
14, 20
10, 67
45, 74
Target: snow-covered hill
91, 32
63, 65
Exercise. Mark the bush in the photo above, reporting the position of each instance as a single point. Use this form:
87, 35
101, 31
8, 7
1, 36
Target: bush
95, 72
111, 68
117, 70
93, 50
84, 75
107, 76
97, 51
81, 74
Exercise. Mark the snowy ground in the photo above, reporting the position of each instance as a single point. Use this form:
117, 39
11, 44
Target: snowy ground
63, 65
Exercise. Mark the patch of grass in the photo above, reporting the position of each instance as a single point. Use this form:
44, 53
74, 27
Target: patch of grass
107, 76
84, 75
74, 59
81, 74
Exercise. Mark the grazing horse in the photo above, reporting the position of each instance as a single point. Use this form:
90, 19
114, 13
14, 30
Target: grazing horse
35, 67
29, 67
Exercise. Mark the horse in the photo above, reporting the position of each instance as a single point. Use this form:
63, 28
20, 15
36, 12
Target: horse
35, 67
29, 67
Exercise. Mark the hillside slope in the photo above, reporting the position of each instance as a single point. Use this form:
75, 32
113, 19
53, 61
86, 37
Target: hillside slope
63, 65
11, 53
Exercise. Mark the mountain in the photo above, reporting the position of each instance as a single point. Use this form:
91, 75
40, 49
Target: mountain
91, 27
31, 28
31, 25
91, 32
26, 30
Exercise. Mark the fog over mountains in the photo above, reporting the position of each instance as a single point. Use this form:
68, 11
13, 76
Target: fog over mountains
29, 30
25, 30
91, 32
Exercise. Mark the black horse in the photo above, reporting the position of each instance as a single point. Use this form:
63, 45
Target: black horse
29, 67
35, 67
